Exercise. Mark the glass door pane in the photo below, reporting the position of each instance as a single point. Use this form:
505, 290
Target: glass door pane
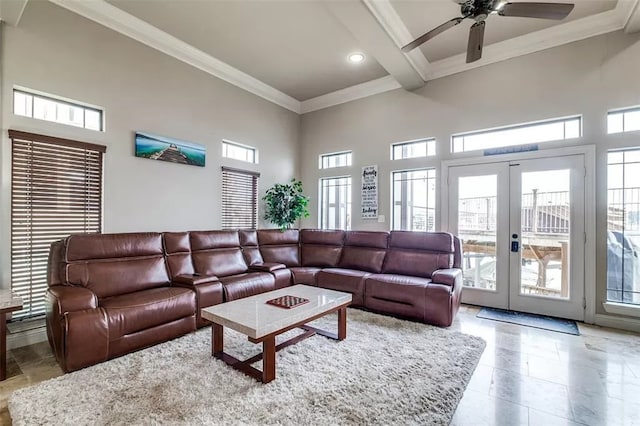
477, 219
545, 233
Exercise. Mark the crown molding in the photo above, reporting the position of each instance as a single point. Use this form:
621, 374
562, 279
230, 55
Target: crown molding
631, 16
352, 93
116, 19
391, 22
555, 36
11, 11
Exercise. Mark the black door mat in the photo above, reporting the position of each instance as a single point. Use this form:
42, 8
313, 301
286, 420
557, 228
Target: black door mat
530, 320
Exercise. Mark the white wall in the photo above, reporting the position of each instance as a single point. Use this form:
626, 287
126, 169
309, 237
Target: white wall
58, 52
588, 77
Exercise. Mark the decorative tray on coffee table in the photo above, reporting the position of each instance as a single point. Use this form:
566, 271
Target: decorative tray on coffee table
287, 301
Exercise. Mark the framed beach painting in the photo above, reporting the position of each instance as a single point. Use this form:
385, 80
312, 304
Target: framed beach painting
172, 150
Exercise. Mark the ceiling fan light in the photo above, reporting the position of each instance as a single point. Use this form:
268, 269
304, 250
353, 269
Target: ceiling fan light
356, 57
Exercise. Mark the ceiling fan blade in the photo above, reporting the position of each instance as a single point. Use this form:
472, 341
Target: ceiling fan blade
431, 34
476, 38
537, 10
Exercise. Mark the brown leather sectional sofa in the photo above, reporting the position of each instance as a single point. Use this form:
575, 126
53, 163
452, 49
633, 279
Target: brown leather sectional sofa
111, 294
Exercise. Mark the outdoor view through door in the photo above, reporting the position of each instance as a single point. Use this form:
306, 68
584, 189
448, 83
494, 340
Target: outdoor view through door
522, 227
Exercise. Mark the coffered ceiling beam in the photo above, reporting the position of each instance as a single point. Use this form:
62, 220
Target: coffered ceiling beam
11, 11
363, 25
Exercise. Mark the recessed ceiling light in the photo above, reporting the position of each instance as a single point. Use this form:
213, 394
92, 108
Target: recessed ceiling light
356, 58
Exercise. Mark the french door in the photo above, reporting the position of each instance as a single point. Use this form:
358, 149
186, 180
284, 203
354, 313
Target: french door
523, 229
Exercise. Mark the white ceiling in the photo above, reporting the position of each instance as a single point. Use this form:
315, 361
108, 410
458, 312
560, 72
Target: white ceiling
293, 52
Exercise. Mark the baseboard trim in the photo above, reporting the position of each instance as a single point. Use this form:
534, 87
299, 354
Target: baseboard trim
629, 324
26, 338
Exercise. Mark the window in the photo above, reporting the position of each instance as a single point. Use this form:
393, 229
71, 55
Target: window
337, 159
626, 120
414, 200
544, 131
239, 152
335, 203
56, 190
239, 199
623, 227
49, 108
413, 149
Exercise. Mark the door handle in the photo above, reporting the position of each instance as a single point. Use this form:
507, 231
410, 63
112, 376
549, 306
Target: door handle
515, 246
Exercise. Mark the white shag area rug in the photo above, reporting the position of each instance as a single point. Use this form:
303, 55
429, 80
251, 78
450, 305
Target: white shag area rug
387, 371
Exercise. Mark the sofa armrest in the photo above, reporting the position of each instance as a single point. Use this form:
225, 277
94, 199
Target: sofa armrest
66, 298
208, 291
266, 267
451, 277
190, 280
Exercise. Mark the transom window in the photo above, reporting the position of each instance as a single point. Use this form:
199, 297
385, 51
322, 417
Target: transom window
623, 227
543, 131
414, 200
413, 149
623, 120
239, 152
336, 159
50, 108
335, 203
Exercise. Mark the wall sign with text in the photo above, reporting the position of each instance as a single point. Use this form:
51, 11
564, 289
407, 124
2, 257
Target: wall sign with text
369, 192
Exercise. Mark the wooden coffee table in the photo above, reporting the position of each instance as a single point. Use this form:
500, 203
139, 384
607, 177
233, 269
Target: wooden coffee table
262, 322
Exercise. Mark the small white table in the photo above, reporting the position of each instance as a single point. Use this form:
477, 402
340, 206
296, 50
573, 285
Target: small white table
9, 302
262, 322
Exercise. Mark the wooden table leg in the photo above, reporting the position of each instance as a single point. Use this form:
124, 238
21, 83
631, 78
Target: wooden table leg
269, 359
3, 346
217, 339
342, 324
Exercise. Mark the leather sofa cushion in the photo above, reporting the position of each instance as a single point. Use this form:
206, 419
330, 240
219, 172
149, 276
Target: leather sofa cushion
204, 240
287, 255
320, 255
322, 236
347, 280
372, 239
109, 246
133, 312
397, 294
277, 237
305, 275
362, 258
430, 241
245, 285
176, 242
415, 263
250, 250
221, 262
118, 276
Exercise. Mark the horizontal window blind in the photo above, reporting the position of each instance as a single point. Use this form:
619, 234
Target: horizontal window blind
56, 190
239, 199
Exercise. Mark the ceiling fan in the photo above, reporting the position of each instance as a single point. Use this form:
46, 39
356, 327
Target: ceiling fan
479, 10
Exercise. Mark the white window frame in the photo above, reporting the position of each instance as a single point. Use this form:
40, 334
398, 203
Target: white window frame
348, 156
435, 199
622, 114
458, 140
430, 148
226, 144
33, 95
337, 216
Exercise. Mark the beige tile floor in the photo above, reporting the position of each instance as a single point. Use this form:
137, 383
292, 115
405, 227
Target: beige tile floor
526, 376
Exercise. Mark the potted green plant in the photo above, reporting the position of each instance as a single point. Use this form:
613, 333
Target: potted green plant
285, 203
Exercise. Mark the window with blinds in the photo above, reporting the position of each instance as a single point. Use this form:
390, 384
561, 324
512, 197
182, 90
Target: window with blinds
239, 199
56, 190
